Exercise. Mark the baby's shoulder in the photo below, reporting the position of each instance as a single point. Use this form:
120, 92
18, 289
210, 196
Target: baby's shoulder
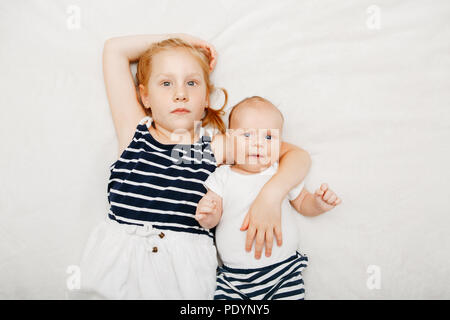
222, 170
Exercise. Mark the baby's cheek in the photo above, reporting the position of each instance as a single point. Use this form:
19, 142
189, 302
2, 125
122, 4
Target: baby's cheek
240, 148
274, 150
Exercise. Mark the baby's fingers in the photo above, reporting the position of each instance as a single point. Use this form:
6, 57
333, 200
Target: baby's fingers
323, 188
206, 208
200, 216
328, 195
331, 199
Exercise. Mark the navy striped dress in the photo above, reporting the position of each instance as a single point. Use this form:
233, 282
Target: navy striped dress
160, 184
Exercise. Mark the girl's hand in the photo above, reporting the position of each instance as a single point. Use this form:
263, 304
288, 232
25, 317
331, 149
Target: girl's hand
263, 220
325, 198
197, 42
207, 210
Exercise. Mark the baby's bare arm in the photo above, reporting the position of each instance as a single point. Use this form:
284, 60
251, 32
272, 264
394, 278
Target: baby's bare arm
209, 210
311, 205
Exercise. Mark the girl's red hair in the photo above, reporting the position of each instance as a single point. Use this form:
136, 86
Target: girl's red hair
144, 68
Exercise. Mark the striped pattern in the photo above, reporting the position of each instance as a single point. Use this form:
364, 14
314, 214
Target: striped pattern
160, 184
279, 281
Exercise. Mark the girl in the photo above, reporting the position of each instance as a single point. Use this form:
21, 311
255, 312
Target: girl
151, 246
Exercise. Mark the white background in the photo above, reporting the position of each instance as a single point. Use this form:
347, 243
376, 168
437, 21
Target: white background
365, 90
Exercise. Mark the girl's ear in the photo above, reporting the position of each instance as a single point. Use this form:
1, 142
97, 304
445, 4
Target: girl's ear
142, 94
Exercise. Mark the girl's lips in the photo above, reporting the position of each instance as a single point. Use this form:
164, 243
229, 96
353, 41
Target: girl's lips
180, 111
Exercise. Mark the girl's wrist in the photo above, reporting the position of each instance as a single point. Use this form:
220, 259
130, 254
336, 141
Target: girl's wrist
133, 46
272, 193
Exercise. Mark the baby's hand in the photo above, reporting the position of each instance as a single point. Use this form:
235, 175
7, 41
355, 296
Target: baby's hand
207, 210
325, 198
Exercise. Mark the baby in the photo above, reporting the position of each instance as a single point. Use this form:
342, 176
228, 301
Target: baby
256, 127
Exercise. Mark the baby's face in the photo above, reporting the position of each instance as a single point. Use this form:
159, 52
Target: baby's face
256, 129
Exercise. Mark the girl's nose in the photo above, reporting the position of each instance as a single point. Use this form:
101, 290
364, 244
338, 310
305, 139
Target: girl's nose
180, 95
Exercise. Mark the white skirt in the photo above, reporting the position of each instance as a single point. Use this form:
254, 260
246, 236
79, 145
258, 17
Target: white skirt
131, 262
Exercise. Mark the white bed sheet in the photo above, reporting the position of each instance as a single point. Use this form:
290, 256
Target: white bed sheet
371, 105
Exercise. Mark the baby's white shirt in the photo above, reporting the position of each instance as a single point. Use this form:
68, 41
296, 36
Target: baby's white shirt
238, 191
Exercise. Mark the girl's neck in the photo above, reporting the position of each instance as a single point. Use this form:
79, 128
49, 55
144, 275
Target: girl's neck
165, 136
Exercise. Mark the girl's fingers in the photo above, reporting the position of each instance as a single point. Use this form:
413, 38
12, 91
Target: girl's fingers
259, 243
251, 232
338, 201
212, 55
245, 223
278, 235
324, 187
213, 60
269, 243
197, 42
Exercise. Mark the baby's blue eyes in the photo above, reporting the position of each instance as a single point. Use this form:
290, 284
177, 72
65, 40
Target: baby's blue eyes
247, 135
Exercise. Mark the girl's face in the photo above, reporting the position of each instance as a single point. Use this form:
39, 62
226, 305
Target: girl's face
177, 92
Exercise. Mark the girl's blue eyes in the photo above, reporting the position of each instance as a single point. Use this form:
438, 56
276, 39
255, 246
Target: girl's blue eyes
167, 83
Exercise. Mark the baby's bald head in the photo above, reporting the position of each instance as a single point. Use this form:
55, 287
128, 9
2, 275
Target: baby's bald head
255, 110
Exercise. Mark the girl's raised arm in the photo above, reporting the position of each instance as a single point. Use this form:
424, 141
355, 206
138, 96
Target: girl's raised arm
126, 110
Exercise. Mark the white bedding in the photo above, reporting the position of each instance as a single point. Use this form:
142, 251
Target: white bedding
364, 86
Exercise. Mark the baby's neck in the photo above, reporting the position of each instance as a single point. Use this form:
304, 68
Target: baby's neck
245, 170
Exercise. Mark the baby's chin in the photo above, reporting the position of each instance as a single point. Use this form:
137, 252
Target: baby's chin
255, 165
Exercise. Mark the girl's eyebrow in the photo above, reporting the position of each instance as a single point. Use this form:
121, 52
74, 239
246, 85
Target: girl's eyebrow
172, 74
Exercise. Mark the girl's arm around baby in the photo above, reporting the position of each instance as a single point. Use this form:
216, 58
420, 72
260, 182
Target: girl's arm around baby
209, 210
263, 221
